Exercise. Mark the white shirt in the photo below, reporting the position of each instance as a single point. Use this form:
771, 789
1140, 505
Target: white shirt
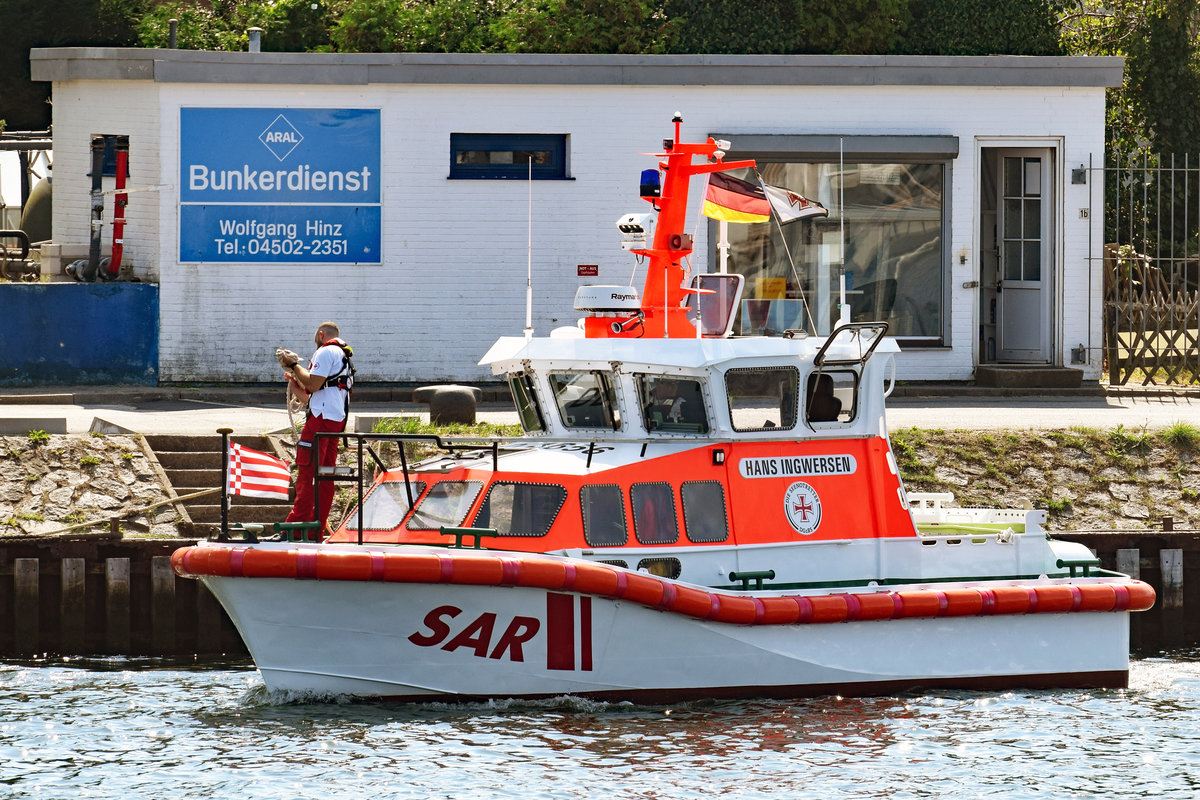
330, 402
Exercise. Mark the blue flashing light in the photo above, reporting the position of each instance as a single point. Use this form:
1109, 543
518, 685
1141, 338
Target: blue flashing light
651, 183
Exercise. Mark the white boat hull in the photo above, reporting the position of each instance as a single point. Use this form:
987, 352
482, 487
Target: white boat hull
424, 641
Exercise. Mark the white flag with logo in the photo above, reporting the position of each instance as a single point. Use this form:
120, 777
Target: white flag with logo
789, 206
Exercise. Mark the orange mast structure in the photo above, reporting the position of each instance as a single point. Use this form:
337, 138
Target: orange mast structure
663, 294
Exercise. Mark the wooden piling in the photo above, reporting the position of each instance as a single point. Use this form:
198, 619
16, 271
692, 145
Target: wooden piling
1129, 561
26, 626
1171, 562
71, 615
116, 604
208, 621
162, 605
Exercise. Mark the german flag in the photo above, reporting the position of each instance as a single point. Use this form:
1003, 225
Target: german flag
735, 200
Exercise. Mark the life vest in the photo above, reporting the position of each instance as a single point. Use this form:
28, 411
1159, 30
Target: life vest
344, 377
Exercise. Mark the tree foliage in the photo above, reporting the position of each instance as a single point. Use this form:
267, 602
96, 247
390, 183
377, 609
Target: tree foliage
982, 27
786, 26
417, 26
37, 23
288, 25
1158, 107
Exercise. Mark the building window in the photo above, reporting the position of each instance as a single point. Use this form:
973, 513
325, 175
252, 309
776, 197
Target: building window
482, 156
892, 193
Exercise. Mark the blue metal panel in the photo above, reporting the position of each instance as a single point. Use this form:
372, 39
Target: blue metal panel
71, 333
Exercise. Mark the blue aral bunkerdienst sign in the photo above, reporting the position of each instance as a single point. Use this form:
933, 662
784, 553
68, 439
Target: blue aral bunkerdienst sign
279, 185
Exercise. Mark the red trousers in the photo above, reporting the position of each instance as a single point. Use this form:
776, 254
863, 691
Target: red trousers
307, 462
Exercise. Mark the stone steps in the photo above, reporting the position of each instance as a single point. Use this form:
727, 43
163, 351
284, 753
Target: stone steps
192, 463
1013, 376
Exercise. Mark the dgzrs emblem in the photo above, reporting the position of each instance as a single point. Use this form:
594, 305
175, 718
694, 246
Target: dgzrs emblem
803, 507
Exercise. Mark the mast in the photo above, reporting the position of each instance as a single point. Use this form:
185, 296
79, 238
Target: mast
663, 294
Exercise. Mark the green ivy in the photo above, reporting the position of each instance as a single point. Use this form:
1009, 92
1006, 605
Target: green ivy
981, 27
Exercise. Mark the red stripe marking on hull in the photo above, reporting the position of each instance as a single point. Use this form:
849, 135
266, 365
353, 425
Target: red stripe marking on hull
560, 631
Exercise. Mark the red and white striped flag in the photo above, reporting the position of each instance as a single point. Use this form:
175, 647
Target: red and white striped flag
256, 474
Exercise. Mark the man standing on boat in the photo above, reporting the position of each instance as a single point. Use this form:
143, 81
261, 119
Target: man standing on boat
327, 383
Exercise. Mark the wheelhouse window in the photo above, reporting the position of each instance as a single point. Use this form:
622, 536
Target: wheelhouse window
586, 399
704, 516
484, 156
671, 405
892, 194
446, 505
654, 519
831, 396
521, 509
603, 510
385, 506
525, 397
762, 399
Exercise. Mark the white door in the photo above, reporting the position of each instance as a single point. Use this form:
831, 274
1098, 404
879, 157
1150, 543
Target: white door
1025, 236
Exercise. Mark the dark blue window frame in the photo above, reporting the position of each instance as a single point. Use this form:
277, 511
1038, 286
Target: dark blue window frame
486, 156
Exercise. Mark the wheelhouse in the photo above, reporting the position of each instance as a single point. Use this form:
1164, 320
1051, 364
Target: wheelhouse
637, 463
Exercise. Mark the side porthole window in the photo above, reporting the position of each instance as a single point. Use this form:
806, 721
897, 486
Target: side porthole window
654, 519
446, 505
603, 510
521, 509
529, 411
762, 399
662, 567
704, 516
385, 506
831, 396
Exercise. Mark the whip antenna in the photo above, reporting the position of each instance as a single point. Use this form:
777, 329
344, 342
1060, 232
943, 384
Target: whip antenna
843, 309
529, 265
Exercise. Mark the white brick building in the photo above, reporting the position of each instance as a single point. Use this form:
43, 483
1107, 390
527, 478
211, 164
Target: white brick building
932, 157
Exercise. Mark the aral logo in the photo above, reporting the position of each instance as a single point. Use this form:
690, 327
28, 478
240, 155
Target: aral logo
281, 137
803, 507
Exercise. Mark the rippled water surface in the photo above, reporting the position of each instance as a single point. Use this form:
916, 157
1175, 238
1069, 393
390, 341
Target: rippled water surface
121, 729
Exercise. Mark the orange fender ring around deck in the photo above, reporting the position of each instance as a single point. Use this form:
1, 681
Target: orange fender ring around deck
603, 580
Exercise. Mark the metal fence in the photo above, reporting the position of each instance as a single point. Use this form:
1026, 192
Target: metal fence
1151, 262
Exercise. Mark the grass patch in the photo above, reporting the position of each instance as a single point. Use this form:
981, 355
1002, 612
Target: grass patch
1181, 435
1136, 443
89, 461
1056, 508
418, 450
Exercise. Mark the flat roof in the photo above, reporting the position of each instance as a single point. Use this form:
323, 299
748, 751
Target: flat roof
62, 64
